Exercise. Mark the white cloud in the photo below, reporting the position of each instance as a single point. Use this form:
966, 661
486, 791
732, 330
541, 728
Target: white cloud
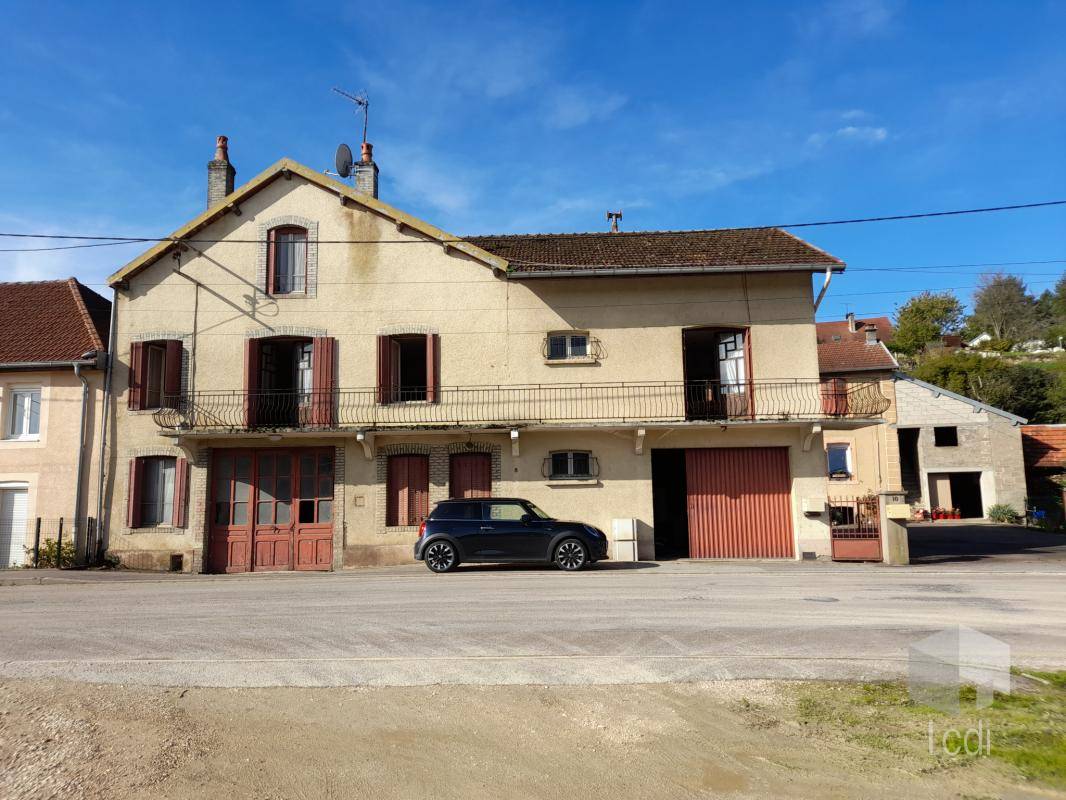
851, 19
571, 107
864, 134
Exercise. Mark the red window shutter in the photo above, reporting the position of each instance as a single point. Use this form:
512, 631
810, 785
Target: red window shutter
272, 237
181, 483
418, 496
407, 490
251, 382
172, 373
133, 495
834, 397
138, 376
323, 380
384, 369
433, 368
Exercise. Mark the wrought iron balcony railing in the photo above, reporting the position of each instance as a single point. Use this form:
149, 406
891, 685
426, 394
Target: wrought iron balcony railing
650, 401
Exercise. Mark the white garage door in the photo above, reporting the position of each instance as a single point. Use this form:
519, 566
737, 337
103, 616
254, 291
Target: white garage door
12, 526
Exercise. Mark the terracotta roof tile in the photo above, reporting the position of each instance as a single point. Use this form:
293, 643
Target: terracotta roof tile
840, 350
764, 248
1044, 445
51, 321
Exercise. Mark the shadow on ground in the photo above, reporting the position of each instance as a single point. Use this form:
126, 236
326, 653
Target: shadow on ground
939, 543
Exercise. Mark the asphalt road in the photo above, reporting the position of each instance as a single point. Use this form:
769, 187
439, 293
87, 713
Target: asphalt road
405, 626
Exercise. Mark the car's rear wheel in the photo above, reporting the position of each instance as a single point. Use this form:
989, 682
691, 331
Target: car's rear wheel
571, 555
441, 557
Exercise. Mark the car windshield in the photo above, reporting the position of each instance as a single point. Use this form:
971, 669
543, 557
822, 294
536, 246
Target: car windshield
537, 512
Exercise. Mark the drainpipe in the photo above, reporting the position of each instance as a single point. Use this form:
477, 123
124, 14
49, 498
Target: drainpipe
78, 493
825, 288
102, 529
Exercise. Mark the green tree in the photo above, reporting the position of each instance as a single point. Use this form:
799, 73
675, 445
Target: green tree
1003, 307
924, 319
1023, 389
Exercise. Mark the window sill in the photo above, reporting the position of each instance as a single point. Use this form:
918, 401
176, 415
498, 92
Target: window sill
165, 530
22, 439
560, 480
287, 295
566, 362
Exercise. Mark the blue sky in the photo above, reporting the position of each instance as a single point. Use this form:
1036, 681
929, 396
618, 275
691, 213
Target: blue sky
494, 117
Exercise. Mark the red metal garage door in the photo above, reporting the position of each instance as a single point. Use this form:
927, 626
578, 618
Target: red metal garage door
471, 475
739, 502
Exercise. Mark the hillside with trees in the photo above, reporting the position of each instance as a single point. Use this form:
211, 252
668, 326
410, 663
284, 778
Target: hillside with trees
1021, 368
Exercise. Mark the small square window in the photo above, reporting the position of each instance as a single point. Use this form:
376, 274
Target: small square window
571, 464
947, 436
563, 346
838, 458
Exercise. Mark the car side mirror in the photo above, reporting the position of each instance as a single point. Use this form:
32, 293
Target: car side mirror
526, 519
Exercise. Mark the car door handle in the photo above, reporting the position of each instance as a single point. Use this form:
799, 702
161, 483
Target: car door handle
487, 528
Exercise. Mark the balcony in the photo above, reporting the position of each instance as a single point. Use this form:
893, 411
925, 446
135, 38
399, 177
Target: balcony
652, 402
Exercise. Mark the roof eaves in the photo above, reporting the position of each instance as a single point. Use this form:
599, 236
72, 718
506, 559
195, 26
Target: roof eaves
961, 398
83, 312
271, 174
615, 271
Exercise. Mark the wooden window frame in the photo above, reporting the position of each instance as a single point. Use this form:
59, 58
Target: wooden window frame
135, 510
272, 252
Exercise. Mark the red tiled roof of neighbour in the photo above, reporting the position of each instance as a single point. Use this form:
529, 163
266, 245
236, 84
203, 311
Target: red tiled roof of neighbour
662, 251
1044, 445
841, 350
51, 321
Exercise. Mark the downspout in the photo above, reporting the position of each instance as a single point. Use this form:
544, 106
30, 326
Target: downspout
825, 287
101, 527
78, 491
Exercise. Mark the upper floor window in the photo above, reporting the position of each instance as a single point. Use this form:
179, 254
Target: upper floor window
287, 260
947, 436
24, 421
155, 374
409, 368
569, 345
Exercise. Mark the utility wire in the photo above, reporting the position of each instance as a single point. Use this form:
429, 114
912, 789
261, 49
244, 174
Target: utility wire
458, 240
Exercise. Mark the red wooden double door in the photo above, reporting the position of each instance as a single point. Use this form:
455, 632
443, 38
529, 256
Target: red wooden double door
271, 509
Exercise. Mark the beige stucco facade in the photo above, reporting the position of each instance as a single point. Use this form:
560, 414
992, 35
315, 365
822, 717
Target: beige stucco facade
874, 450
492, 329
46, 466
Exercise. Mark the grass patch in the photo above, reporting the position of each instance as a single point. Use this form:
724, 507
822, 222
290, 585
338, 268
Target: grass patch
1028, 726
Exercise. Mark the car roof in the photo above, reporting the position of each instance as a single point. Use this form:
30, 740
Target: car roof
481, 500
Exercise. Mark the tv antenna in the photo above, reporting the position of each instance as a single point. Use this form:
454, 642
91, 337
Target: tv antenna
362, 101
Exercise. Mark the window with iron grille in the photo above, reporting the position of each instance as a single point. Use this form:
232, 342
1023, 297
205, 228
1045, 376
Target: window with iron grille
564, 464
568, 345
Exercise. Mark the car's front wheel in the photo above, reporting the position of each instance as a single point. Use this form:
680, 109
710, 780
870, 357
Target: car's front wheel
571, 555
441, 557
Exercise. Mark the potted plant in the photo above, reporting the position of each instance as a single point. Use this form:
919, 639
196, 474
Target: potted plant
956, 514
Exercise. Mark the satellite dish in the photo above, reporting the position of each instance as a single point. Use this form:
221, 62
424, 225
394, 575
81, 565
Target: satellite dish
344, 160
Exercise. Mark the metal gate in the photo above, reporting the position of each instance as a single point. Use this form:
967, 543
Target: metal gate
739, 502
855, 528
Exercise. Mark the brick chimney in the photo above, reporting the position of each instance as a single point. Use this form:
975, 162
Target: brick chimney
366, 172
852, 326
871, 334
220, 173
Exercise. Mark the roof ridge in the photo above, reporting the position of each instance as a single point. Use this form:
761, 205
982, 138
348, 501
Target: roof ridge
83, 311
650, 232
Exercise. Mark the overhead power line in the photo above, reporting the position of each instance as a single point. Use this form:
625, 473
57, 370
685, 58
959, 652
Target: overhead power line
117, 240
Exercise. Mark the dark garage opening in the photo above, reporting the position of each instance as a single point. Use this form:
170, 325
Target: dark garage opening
669, 504
966, 494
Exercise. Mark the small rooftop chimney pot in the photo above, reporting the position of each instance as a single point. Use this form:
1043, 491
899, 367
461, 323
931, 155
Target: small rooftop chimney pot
366, 172
220, 173
871, 334
852, 326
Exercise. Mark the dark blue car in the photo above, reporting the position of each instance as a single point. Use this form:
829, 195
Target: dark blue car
497, 529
